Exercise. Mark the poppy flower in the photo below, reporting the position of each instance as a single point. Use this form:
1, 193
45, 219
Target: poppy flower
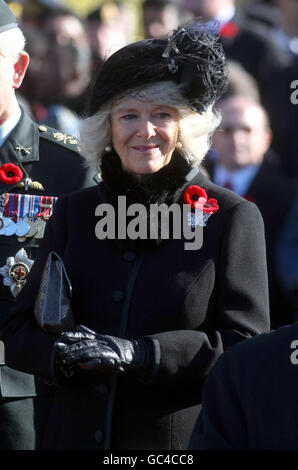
193, 195
198, 199
229, 30
10, 173
250, 198
210, 206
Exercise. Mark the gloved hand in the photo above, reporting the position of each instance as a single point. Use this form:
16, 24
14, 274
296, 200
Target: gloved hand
76, 343
103, 353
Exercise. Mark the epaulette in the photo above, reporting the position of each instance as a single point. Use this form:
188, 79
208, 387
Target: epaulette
58, 137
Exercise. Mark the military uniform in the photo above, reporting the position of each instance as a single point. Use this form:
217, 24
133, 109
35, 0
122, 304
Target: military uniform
50, 165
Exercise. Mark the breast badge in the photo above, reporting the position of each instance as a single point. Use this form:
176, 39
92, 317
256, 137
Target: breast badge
15, 271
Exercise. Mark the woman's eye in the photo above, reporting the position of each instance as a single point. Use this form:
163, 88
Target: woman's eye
128, 117
163, 115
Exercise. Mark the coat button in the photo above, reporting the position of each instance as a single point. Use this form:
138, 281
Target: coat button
98, 435
117, 296
103, 389
129, 256
42, 128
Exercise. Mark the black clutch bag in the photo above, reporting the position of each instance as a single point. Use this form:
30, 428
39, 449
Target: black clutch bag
52, 309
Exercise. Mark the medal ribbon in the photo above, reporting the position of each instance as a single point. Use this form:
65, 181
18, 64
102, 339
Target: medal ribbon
3, 198
23, 206
11, 208
36, 202
45, 209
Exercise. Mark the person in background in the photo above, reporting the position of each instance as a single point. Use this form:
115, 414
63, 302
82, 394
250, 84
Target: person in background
245, 164
287, 257
37, 164
109, 27
160, 17
249, 400
244, 40
68, 37
151, 315
285, 33
51, 65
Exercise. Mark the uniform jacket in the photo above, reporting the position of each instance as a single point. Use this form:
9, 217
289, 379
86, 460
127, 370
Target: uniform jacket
194, 303
239, 398
52, 159
274, 194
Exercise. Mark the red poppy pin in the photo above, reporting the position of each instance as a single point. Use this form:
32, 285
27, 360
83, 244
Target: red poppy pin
197, 198
250, 198
10, 173
229, 30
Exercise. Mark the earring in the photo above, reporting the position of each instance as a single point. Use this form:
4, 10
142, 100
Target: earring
179, 145
108, 148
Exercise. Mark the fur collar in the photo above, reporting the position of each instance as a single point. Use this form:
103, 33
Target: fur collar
164, 186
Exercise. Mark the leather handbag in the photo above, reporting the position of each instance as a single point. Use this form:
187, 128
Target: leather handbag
52, 309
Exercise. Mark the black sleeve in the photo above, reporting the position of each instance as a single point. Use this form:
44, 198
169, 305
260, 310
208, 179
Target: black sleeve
242, 310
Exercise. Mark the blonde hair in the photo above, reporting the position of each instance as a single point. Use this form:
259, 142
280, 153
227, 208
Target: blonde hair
195, 130
12, 43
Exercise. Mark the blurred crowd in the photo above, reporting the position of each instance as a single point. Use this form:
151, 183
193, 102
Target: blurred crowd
255, 151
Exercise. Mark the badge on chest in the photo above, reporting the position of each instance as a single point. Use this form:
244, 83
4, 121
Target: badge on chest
24, 216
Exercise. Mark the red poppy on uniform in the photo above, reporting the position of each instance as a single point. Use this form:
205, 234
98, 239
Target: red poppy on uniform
10, 173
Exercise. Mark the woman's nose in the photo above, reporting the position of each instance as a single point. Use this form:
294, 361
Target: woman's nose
146, 129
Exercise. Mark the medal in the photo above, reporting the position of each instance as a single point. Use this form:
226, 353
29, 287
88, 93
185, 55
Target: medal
10, 229
23, 207
4, 223
18, 273
15, 271
32, 228
10, 211
41, 225
22, 228
25, 215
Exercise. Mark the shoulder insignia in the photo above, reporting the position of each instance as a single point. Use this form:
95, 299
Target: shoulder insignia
64, 137
59, 138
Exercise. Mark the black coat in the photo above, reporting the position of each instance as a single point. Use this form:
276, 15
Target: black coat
280, 100
250, 398
195, 303
51, 159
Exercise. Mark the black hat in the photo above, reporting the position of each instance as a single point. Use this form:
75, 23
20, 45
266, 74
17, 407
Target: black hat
7, 18
192, 57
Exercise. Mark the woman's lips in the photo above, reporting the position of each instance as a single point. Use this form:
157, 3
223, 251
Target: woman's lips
145, 148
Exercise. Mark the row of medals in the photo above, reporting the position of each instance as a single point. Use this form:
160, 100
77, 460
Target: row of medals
23, 228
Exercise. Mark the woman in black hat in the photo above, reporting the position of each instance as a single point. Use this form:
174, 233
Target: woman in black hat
153, 310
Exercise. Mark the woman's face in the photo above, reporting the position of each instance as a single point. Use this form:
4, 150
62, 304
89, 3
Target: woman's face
144, 134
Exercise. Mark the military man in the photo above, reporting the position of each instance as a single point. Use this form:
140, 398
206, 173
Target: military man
37, 164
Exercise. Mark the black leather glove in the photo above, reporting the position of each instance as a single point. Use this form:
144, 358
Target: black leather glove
72, 345
103, 353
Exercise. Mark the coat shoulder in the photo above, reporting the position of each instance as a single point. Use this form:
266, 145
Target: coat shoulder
63, 139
